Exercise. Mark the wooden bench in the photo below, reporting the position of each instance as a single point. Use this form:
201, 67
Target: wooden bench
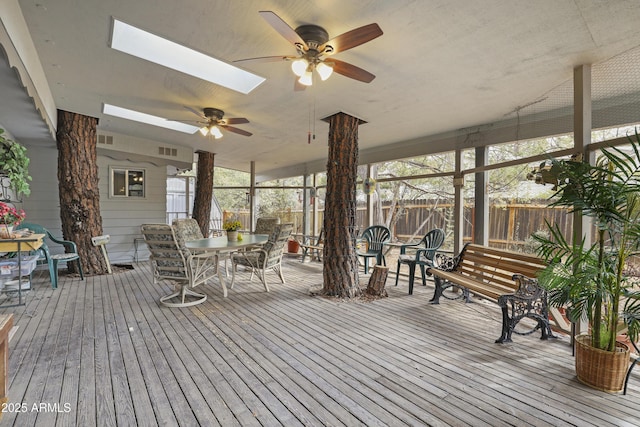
506, 278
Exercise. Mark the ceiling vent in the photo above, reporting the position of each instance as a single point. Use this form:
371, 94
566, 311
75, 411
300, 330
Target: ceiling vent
105, 139
166, 151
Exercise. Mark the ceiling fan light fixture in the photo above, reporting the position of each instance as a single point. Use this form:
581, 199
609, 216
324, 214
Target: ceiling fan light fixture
204, 130
324, 70
306, 79
215, 132
299, 66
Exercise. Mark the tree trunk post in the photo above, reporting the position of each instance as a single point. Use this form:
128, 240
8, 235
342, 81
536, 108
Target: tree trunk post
78, 187
377, 281
340, 270
204, 191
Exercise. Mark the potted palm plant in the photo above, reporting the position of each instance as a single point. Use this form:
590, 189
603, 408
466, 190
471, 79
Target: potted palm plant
14, 165
590, 280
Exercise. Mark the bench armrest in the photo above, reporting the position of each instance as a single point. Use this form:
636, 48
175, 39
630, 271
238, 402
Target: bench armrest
528, 287
444, 262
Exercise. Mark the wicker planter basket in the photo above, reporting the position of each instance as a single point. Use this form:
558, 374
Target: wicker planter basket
602, 370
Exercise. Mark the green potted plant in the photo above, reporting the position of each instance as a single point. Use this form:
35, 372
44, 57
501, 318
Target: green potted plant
590, 279
14, 165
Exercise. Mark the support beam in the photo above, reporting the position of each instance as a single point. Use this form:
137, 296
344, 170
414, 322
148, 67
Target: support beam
306, 205
581, 140
252, 196
79, 192
315, 219
369, 221
458, 204
340, 270
204, 191
481, 215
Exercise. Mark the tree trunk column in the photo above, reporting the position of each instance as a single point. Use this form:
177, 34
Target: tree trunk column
78, 187
340, 260
204, 191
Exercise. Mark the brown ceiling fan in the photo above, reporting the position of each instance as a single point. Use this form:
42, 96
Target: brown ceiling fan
214, 121
315, 49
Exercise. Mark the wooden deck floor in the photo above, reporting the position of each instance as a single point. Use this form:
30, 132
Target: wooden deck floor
103, 352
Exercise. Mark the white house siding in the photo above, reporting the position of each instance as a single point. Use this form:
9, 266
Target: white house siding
122, 217
43, 205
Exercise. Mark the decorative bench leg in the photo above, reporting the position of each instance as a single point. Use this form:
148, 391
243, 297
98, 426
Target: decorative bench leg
520, 309
437, 292
545, 326
626, 380
507, 328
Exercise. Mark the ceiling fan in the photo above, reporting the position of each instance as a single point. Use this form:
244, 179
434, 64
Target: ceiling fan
214, 121
315, 49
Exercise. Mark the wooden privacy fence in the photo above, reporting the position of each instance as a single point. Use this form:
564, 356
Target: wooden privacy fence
510, 224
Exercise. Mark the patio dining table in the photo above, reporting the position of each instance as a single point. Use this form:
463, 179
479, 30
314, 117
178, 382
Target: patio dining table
221, 245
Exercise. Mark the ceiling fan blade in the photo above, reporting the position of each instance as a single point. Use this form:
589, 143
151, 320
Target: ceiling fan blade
236, 121
236, 130
267, 59
283, 28
351, 71
352, 38
196, 112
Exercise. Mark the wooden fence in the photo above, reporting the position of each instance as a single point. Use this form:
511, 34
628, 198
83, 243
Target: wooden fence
510, 225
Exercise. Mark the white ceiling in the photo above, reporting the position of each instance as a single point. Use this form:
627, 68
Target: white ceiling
441, 65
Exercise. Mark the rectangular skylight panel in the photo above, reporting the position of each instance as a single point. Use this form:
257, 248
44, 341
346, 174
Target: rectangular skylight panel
137, 116
134, 41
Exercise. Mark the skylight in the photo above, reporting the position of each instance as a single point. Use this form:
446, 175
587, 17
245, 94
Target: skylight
137, 116
136, 42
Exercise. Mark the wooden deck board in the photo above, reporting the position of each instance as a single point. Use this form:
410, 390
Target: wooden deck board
160, 412
285, 358
76, 293
358, 379
379, 355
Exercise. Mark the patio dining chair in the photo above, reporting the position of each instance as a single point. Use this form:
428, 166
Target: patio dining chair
267, 257
172, 261
187, 229
421, 253
265, 225
53, 259
373, 238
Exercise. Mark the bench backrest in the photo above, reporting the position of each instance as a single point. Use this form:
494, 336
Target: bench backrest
496, 266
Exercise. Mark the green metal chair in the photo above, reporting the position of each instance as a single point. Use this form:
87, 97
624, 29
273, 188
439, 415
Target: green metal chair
374, 238
52, 260
425, 251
